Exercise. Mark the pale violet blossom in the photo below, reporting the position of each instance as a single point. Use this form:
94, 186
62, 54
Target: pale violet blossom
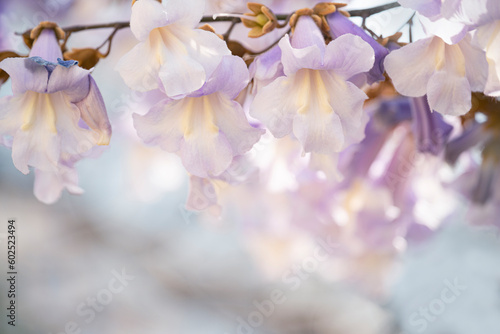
446, 73
55, 116
171, 52
206, 128
314, 100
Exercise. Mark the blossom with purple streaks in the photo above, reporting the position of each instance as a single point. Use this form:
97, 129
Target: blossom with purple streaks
446, 73
171, 53
206, 128
56, 112
314, 99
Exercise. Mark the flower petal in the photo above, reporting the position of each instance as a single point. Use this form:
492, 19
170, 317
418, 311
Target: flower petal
49, 185
231, 120
187, 13
93, 112
295, 59
46, 46
449, 31
449, 93
189, 62
276, 104
476, 64
230, 77
428, 8
74, 81
139, 67
411, 67
162, 125
349, 55
26, 74
146, 16
341, 25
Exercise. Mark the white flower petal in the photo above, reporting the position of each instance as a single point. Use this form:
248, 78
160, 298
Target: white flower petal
476, 65
276, 104
146, 16
25, 74
139, 67
349, 55
162, 125
411, 67
49, 185
231, 119
449, 93
295, 59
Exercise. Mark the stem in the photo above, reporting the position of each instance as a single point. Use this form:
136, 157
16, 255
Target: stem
207, 19
231, 27
374, 10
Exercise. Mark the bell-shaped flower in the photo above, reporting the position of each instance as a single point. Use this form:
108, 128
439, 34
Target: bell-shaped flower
171, 52
446, 73
206, 128
314, 99
341, 25
56, 112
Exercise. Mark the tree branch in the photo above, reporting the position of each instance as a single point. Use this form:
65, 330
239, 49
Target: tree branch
207, 19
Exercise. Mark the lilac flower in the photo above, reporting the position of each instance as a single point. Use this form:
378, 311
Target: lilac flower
56, 113
314, 98
170, 50
429, 128
446, 73
341, 25
206, 128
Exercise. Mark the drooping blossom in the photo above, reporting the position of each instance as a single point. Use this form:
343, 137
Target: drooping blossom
206, 128
446, 73
314, 100
171, 53
56, 115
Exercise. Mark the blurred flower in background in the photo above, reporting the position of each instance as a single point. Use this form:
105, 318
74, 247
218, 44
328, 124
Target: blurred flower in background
383, 223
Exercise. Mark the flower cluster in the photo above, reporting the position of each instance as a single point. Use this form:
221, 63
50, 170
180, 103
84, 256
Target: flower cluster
359, 111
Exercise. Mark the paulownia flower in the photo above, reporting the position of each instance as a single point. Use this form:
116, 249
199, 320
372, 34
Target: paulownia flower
206, 128
446, 73
170, 51
56, 112
314, 100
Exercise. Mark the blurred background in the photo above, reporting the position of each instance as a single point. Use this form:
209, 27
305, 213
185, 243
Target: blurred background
127, 257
